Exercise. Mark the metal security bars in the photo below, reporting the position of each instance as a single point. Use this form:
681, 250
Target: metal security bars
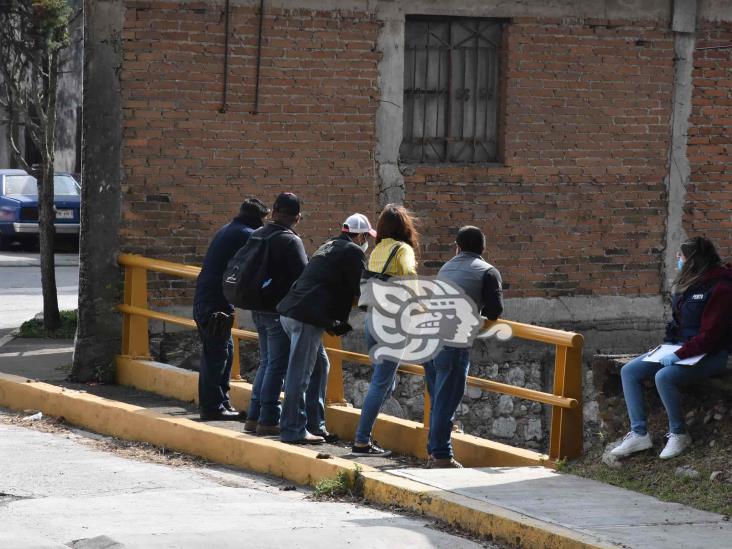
451, 71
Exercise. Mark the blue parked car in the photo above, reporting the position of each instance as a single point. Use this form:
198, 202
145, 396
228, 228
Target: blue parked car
19, 206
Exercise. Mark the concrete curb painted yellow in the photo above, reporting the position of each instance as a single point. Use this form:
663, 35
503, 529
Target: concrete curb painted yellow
136, 423
400, 435
290, 462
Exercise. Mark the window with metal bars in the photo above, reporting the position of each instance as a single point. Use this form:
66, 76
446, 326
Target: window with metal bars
451, 71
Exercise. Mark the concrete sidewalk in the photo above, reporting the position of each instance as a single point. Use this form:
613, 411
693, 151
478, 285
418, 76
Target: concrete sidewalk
508, 503
43, 359
59, 490
619, 516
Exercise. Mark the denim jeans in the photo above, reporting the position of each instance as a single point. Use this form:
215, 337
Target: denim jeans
445, 377
306, 381
383, 381
274, 350
214, 372
668, 381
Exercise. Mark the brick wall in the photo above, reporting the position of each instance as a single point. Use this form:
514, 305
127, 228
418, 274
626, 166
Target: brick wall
578, 206
709, 193
187, 166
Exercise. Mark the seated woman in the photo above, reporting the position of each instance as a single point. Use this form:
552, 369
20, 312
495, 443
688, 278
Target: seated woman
701, 324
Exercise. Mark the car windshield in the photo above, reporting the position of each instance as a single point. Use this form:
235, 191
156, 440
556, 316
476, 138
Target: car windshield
63, 185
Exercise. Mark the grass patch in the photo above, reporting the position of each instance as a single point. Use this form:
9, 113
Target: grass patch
646, 474
34, 328
345, 484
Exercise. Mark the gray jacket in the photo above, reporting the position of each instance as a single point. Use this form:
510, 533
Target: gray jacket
479, 279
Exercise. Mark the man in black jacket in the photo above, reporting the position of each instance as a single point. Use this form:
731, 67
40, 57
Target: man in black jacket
286, 261
214, 315
320, 300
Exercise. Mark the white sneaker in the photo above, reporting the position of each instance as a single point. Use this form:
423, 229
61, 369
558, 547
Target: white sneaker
632, 443
676, 445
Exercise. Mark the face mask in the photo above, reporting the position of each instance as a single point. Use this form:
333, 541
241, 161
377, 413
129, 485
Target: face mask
364, 246
679, 264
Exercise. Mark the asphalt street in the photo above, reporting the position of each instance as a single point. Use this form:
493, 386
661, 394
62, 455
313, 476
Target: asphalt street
56, 492
20, 287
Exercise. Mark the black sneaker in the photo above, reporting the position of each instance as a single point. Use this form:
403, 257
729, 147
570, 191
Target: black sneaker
372, 449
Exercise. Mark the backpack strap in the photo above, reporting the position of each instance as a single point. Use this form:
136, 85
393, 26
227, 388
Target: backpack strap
392, 254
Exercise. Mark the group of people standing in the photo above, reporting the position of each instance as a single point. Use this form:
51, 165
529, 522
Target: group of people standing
306, 298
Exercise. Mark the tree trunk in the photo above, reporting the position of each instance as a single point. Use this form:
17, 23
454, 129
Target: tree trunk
100, 289
46, 210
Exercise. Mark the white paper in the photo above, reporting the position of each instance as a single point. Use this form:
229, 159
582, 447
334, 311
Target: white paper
666, 349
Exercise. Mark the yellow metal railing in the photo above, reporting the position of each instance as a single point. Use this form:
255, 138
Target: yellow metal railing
566, 400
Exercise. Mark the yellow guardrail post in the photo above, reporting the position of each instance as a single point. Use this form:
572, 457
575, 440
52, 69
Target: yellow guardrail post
135, 340
236, 356
334, 392
566, 429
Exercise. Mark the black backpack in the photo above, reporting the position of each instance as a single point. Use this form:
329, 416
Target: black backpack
247, 283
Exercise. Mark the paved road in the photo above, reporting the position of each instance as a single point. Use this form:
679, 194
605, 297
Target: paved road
58, 493
20, 288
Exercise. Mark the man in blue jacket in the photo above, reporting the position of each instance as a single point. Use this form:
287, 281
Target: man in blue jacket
214, 316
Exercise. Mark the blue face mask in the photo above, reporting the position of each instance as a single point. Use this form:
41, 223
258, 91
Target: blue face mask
679, 264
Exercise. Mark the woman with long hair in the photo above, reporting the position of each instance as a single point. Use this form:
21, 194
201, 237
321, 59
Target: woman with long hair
701, 325
394, 255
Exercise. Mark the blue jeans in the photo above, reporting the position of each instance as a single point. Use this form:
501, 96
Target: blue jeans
306, 381
668, 381
383, 381
274, 350
214, 372
445, 377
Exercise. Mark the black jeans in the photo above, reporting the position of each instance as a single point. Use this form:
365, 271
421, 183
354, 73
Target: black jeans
215, 370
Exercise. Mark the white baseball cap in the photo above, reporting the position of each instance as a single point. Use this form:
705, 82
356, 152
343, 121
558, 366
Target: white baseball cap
358, 223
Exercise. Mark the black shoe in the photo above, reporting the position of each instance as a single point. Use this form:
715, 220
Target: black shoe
372, 449
329, 437
220, 415
267, 430
309, 438
242, 414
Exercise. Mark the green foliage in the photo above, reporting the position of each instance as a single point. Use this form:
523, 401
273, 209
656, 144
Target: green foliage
344, 484
67, 330
51, 22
